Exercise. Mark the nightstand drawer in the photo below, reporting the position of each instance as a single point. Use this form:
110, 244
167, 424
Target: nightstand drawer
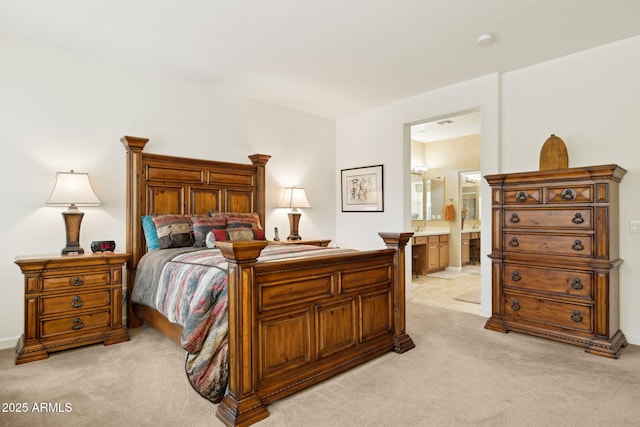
76, 279
74, 324
74, 301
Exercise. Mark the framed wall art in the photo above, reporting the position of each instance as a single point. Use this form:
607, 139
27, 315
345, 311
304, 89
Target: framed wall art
362, 189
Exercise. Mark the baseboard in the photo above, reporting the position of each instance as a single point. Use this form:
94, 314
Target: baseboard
8, 343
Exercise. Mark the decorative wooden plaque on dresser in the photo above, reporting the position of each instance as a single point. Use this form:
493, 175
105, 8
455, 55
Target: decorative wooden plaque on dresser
555, 256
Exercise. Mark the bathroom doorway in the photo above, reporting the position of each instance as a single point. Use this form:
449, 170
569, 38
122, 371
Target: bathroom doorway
445, 150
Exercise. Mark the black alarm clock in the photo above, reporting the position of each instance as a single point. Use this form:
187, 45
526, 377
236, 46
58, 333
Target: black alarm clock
103, 246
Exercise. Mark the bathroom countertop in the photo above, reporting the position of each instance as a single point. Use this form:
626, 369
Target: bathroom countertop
431, 232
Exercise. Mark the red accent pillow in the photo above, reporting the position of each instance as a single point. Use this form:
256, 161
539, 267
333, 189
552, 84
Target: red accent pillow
238, 234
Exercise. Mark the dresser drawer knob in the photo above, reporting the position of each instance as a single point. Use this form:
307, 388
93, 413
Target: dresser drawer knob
514, 218
77, 324
577, 219
515, 276
577, 284
521, 196
515, 305
514, 242
576, 316
77, 302
77, 281
568, 195
577, 246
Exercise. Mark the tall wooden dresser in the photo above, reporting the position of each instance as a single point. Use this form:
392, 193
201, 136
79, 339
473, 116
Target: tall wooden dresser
555, 256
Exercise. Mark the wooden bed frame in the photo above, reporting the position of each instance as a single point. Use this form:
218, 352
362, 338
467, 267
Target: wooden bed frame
292, 323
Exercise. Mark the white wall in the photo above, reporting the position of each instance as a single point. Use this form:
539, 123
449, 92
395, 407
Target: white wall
61, 111
589, 99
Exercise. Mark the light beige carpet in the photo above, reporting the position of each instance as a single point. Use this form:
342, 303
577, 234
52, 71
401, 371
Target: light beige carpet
459, 374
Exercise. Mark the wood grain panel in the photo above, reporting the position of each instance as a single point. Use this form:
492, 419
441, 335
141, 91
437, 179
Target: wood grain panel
285, 342
336, 327
295, 291
165, 199
355, 279
375, 315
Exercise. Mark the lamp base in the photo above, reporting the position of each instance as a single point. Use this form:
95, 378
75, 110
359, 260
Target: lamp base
294, 220
72, 220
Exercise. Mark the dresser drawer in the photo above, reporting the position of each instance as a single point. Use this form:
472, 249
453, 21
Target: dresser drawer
569, 194
74, 324
549, 312
541, 279
421, 240
74, 301
576, 219
576, 245
76, 280
524, 195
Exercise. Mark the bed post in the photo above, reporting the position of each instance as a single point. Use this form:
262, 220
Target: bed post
402, 342
134, 147
260, 161
241, 406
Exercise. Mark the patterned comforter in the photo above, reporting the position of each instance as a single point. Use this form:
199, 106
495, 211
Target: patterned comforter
189, 286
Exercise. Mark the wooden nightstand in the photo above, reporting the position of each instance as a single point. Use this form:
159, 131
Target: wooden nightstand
70, 301
313, 242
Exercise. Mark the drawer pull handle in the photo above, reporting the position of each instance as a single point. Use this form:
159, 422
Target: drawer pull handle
514, 242
515, 276
577, 219
77, 281
568, 195
577, 284
514, 218
515, 305
521, 196
576, 316
77, 302
577, 246
77, 324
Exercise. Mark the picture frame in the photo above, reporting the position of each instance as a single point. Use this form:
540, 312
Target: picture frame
362, 189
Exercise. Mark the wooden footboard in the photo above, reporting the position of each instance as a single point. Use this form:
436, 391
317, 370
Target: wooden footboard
293, 323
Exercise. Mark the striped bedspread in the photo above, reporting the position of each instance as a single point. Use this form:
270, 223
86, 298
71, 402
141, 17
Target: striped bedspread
190, 289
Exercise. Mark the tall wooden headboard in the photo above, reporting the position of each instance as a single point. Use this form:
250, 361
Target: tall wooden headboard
161, 184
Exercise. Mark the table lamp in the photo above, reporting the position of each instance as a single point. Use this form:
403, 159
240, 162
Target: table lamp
73, 189
294, 198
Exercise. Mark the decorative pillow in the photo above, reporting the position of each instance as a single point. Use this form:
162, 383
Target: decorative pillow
234, 234
150, 233
203, 224
242, 220
174, 231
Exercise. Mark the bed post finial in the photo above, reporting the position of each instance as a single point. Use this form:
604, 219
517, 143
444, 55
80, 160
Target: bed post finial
402, 342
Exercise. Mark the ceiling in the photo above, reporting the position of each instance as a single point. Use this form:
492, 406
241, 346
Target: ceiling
331, 58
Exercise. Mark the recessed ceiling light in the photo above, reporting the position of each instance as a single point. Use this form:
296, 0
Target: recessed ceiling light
485, 40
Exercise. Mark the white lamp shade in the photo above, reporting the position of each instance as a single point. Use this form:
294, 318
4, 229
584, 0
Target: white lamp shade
294, 197
72, 188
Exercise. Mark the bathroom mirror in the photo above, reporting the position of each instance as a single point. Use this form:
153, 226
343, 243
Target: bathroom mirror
470, 192
434, 203
417, 197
